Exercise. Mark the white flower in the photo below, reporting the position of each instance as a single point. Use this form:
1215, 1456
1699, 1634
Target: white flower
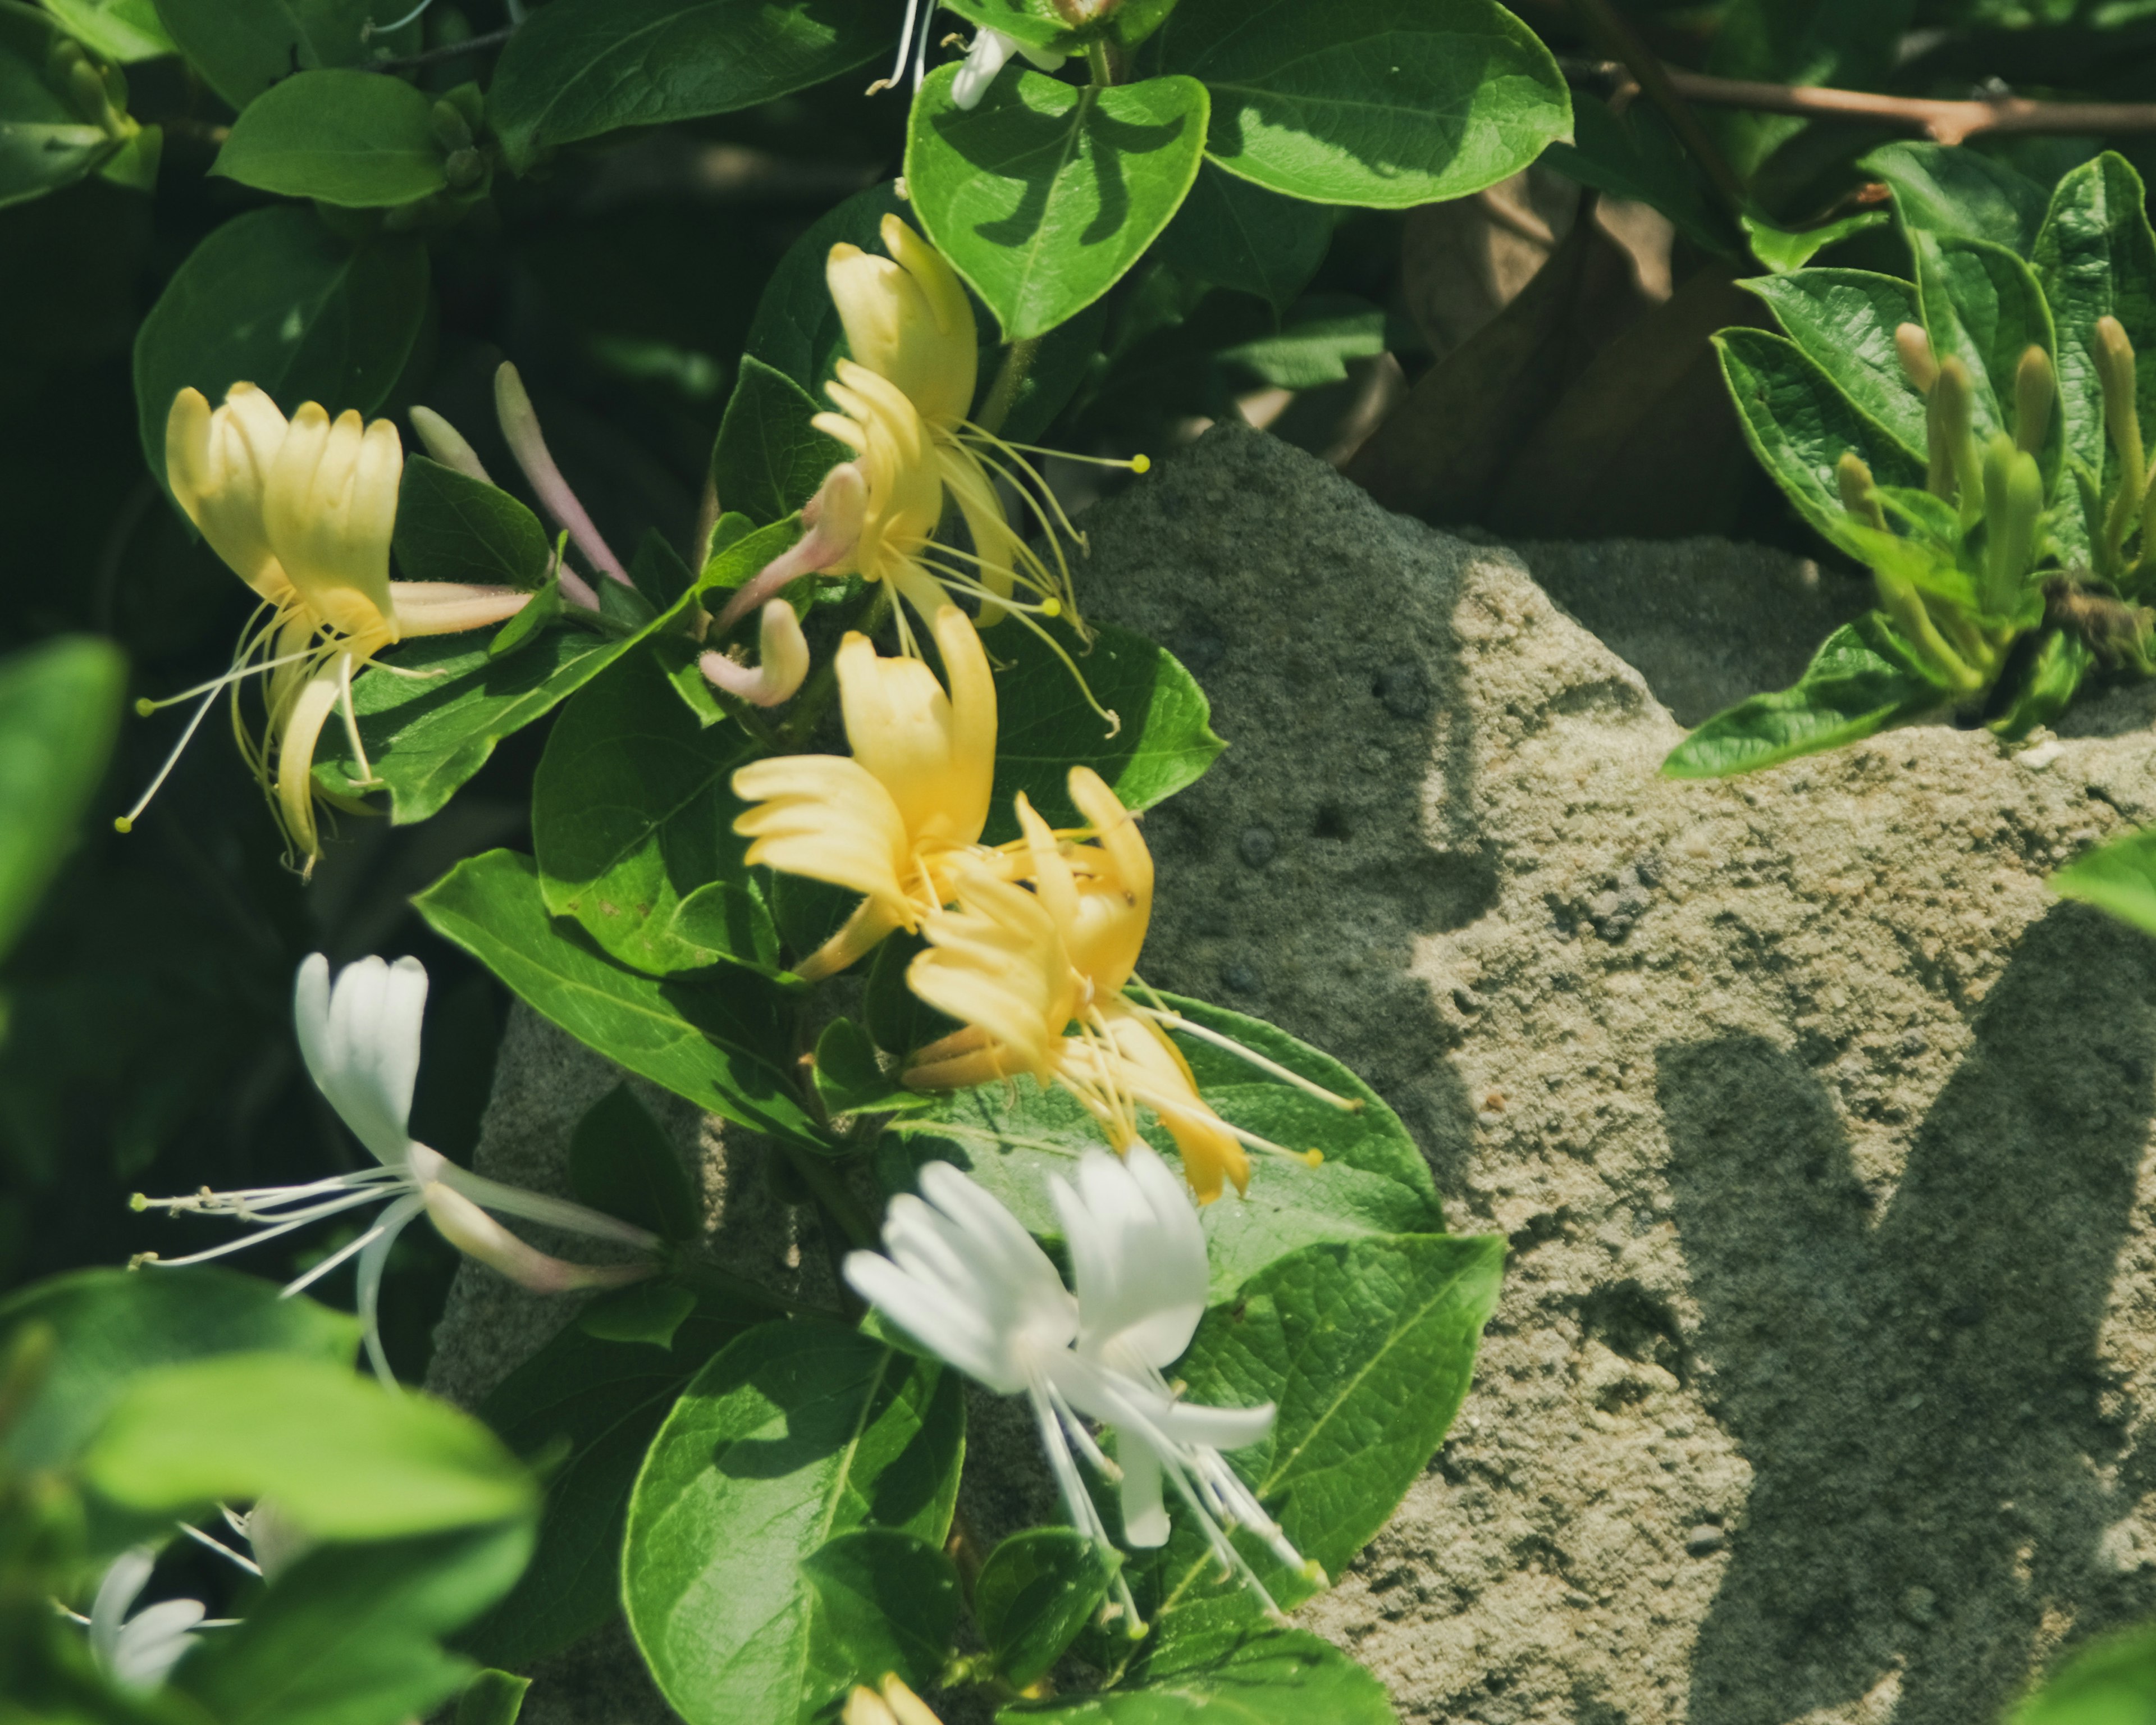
361, 1043
137, 1652
991, 51
966, 1280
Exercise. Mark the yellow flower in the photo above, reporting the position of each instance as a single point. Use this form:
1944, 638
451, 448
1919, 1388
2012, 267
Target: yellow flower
890, 821
1019, 968
897, 1705
302, 511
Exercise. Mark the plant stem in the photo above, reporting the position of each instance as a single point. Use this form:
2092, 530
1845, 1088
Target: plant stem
446, 51
821, 1176
1601, 18
1097, 62
1018, 361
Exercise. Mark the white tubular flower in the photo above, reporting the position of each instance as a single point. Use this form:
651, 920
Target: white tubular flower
137, 1652
967, 1282
360, 1040
991, 52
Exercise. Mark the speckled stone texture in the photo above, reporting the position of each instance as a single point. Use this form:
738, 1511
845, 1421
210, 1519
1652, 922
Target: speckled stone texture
1818, 1387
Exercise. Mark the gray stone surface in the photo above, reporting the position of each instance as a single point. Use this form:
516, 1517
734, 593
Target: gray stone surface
1818, 1389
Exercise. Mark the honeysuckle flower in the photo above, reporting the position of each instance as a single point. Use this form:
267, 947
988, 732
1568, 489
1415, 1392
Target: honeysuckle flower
892, 820
360, 1040
302, 511
782, 666
895, 1705
991, 52
137, 1652
966, 1281
1038, 976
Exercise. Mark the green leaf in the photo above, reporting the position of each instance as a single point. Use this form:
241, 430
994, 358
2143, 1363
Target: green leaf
579, 68
453, 527
359, 140
1313, 345
350, 1634
1844, 320
1061, 363
1959, 193
243, 47
849, 1078
1253, 1675
633, 815
769, 460
113, 1326
1045, 728
122, 31
1634, 154
622, 1163
657, 571
2111, 1682
1236, 234
2119, 879
46, 140
1850, 690
718, 1042
886, 1600
1372, 1181
797, 330
59, 712
492, 1698
1783, 250
273, 298
1848, 43
1799, 424
1044, 195
344, 1457
1383, 102
604, 1402
2096, 257
1035, 1592
796, 1433
2048, 685
1982, 305
1365, 1347
646, 1311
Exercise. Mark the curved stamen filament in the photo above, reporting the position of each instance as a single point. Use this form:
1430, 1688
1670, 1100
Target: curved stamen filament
1175, 1020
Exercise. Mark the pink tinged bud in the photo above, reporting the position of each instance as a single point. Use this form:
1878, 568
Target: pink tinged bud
447, 444
520, 424
477, 1235
784, 656
833, 518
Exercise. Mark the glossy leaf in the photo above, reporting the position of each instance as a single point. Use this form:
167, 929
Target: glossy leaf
360, 140
621, 1163
452, 527
603, 1401
344, 1457
797, 330
1852, 689
1035, 1592
59, 712
1959, 193
46, 140
578, 68
2119, 879
274, 299
769, 460
1372, 1181
1382, 103
114, 1325
1044, 194
1982, 305
243, 47
1045, 726
1254, 1674
797, 1433
1236, 234
121, 31
1849, 42
1844, 320
886, 1600
719, 1042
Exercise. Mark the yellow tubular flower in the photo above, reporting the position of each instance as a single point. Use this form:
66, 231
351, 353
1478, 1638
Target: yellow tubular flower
893, 821
907, 318
302, 511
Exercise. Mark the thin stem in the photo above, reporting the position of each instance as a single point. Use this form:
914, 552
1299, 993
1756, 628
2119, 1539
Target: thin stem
446, 51
1601, 18
1018, 361
821, 1176
1097, 62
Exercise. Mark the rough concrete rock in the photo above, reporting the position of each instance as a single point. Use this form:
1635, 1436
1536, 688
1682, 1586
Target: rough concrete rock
1818, 1389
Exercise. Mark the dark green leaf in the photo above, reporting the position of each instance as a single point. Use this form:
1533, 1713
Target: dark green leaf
122, 31
46, 140
1382, 103
769, 460
1372, 1181
1312, 346
1036, 1591
1982, 305
1852, 689
59, 712
657, 571
1844, 320
1850, 43
1046, 193
1959, 193
1060, 364
112, 1326
1236, 234
350, 1634
243, 47
1253, 1674
796, 1433
604, 1401
851, 1080
452, 527
886, 1600
492, 1698
2048, 684
718, 1042
646, 1311
632, 816
540, 614
1635, 156
797, 330
359, 140
579, 68
621, 1163
273, 298
345, 1458
1045, 728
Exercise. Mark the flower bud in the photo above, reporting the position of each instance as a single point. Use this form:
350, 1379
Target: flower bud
1956, 467
2013, 507
1853, 480
446, 444
2035, 387
451, 130
477, 1235
784, 661
1913, 347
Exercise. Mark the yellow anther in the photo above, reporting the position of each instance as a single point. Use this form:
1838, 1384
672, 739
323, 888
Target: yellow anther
1141, 464
144, 706
120, 824
1051, 607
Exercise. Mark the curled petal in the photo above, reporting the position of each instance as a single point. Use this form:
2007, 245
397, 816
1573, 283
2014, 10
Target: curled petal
908, 319
1137, 1255
826, 817
784, 661
997, 962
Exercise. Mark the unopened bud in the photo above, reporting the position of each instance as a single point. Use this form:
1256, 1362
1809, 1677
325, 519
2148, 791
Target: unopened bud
1956, 468
784, 655
2036, 388
2114, 354
464, 169
1859, 496
1914, 349
2014, 508
451, 130
447, 444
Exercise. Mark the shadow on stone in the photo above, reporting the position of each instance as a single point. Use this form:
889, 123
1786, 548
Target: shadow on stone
1968, 1313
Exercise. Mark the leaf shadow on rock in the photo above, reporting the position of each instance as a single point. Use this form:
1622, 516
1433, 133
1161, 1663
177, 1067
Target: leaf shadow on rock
1920, 1397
